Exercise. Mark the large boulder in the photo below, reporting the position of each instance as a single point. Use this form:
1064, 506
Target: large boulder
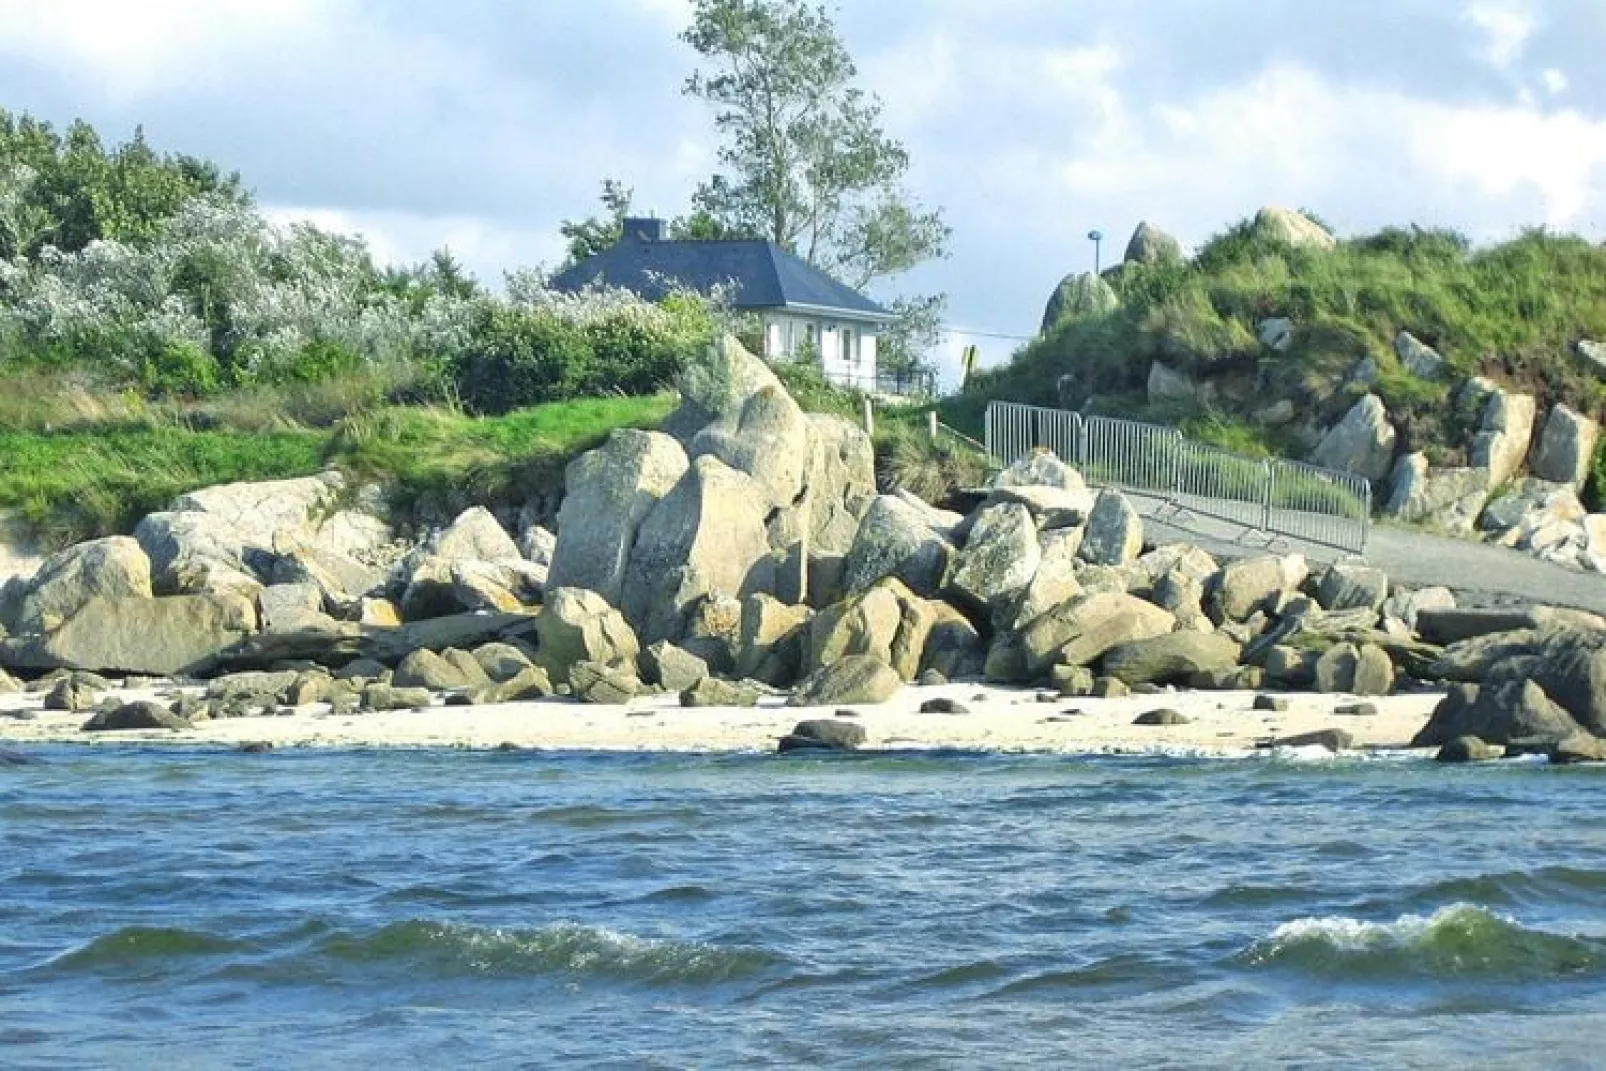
475, 535
111, 568
1050, 507
1114, 533
577, 625
1496, 714
139, 715
1450, 500
671, 668
1079, 295
715, 385
852, 679
609, 492
319, 510
498, 587
767, 438
1592, 354
1285, 226
1502, 441
1153, 246
435, 671
180, 635
1039, 467
896, 539
1172, 658
1346, 586
343, 580
260, 510
889, 623
1000, 558
1079, 632
287, 607
772, 640
711, 629
1362, 442
1566, 447
432, 590
1570, 665
194, 553
824, 734
1406, 606
1054, 584
1420, 359
839, 485
1167, 385
953, 646
1347, 669
706, 536
1243, 587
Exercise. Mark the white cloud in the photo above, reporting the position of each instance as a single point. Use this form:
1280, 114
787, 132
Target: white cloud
486, 247
1507, 26
131, 48
1556, 81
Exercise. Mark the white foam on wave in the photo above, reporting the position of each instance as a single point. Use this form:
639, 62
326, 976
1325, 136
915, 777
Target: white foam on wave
1356, 935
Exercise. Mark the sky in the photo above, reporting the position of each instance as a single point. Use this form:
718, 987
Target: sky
479, 125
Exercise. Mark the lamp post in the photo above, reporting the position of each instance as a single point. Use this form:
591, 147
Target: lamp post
1095, 237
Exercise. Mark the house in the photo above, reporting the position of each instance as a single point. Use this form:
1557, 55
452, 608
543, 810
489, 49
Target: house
801, 308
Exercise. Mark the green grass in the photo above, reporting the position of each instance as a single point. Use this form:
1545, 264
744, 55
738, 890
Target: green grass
79, 484
101, 479
1512, 312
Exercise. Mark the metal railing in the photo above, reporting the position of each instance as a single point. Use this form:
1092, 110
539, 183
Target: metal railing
1267, 498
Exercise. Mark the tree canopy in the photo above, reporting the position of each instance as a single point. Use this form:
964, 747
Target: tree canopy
67, 190
804, 160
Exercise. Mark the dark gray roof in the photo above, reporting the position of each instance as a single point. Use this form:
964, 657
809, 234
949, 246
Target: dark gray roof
764, 275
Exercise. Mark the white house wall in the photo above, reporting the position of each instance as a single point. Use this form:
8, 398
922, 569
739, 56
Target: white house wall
785, 334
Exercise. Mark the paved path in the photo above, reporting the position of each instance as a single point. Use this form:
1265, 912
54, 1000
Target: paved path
1484, 574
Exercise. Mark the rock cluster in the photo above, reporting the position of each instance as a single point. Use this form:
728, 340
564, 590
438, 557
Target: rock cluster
743, 552
1500, 459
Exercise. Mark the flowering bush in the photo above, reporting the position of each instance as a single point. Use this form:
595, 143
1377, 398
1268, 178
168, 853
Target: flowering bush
219, 297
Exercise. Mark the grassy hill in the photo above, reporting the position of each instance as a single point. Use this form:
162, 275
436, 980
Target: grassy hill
1512, 312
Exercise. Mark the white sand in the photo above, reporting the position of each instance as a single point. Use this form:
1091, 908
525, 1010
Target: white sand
1000, 719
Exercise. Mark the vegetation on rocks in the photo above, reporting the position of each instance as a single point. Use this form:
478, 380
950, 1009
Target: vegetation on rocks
1512, 312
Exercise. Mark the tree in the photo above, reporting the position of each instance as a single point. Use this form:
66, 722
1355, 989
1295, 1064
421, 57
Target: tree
590, 236
74, 192
807, 165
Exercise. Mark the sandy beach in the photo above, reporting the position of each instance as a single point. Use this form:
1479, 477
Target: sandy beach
998, 719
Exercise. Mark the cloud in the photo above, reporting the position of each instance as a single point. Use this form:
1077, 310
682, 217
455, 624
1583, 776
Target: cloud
1507, 25
130, 49
482, 124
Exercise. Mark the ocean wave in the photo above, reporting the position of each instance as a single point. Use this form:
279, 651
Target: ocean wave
1515, 888
563, 948
1460, 941
141, 944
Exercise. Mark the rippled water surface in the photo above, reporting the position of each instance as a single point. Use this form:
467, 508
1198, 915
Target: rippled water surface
365, 909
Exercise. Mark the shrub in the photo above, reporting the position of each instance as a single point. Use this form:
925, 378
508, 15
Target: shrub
178, 368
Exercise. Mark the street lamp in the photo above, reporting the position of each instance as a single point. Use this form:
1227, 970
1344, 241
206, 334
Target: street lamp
1095, 237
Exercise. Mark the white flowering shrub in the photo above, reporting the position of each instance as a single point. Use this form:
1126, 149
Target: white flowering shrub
221, 297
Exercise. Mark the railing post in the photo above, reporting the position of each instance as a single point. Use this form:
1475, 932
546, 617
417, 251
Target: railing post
931, 424
869, 418
1267, 494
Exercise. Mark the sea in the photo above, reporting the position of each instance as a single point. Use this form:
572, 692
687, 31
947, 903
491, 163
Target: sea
394, 909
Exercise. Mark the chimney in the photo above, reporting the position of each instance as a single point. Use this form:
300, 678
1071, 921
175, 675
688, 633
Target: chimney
644, 229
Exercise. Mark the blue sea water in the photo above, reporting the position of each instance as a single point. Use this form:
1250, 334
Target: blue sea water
360, 909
